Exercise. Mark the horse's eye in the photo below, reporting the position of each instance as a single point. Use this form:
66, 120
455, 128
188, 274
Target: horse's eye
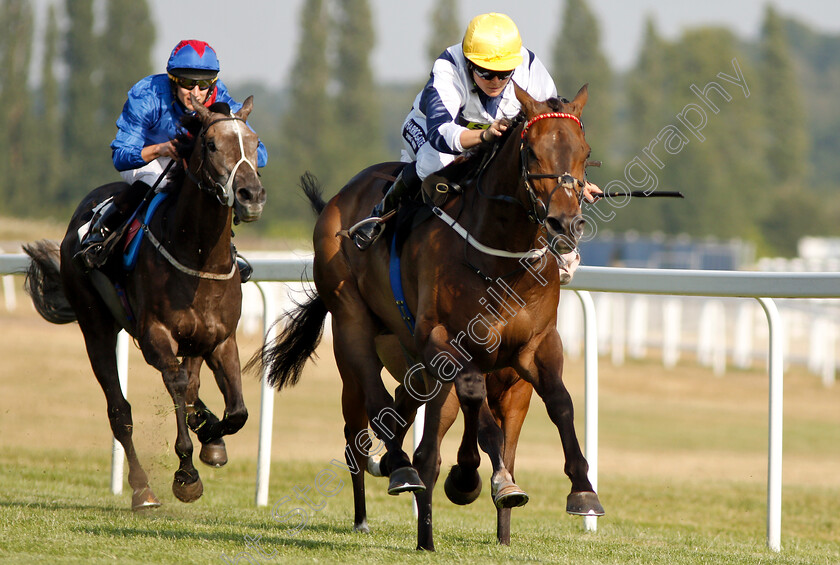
531, 154
211, 146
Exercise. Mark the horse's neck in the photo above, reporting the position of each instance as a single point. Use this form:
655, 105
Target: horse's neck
200, 227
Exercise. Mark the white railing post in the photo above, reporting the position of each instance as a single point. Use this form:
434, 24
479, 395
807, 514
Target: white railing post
774, 448
590, 329
671, 332
266, 399
117, 451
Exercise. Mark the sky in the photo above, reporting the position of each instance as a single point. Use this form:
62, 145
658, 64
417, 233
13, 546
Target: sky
258, 39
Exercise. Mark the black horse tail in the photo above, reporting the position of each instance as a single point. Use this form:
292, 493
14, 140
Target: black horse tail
286, 356
312, 189
43, 282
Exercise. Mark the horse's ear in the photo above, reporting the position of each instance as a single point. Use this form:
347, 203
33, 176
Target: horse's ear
580, 99
200, 110
247, 106
525, 99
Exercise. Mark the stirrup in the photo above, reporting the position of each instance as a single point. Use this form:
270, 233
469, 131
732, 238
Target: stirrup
245, 269
367, 231
95, 253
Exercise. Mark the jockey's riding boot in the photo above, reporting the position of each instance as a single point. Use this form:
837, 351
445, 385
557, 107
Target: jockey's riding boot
93, 252
368, 230
106, 225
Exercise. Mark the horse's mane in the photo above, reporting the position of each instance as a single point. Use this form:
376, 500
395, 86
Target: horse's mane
186, 139
476, 157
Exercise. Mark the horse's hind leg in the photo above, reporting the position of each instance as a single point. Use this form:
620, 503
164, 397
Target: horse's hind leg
356, 422
100, 334
357, 360
213, 452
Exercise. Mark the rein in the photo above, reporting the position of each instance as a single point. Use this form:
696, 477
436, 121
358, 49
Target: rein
536, 215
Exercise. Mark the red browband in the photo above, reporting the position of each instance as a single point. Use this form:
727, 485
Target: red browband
550, 115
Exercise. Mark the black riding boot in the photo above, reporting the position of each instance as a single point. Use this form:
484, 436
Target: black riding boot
97, 244
366, 232
93, 252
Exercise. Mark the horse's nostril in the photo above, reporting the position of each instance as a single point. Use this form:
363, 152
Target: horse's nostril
555, 225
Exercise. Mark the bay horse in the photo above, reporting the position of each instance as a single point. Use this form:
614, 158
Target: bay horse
481, 288
182, 299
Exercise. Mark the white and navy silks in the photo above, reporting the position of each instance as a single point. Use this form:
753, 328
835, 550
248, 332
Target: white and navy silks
451, 102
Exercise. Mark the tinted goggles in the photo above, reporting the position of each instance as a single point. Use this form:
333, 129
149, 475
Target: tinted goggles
189, 83
487, 74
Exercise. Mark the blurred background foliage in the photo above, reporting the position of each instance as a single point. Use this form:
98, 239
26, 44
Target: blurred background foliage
765, 170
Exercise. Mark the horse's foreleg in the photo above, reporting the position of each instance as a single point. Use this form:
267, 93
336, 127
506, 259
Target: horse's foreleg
213, 452
510, 410
441, 412
159, 351
548, 366
224, 362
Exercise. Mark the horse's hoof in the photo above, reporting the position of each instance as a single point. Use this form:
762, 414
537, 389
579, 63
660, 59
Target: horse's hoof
455, 494
143, 499
405, 479
510, 496
584, 504
187, 492
213, 453
374, 466
361, 528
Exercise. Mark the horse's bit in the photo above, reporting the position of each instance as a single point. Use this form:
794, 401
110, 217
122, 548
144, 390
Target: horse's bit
539, 211
224, 193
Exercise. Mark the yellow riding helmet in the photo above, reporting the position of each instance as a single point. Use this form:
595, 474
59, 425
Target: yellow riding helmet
493, 42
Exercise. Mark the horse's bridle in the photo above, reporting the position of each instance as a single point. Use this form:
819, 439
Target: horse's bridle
224, 193
539, 210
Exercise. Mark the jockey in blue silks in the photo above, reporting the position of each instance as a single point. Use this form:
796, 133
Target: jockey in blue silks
146, 128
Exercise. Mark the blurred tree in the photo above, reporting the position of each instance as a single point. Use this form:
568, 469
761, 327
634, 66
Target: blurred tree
306, 128
86, 139
720, 168
48, 138
358, 128
579, 59
128, 40
446, 29
16, 41
784, 105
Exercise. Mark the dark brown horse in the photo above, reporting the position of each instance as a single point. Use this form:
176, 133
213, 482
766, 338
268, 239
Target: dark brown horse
482, 282
183, 296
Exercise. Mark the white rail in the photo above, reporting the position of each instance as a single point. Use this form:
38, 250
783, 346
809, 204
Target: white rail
763, 286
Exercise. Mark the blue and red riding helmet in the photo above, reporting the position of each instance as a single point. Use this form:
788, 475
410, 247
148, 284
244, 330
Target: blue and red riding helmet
193, 59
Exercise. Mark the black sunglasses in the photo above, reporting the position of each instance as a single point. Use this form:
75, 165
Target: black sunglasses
487, 74
189, 83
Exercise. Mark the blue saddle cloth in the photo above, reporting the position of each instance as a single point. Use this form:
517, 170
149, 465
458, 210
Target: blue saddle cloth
130, 255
